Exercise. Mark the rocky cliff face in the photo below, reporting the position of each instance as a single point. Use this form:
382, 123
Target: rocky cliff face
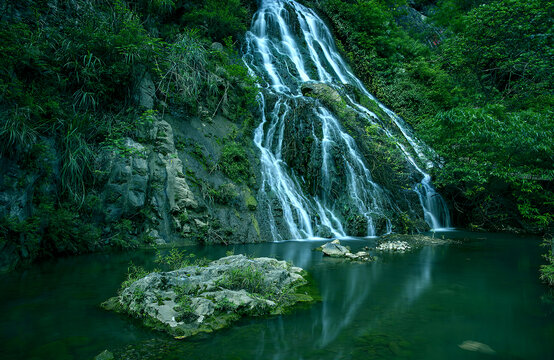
176, 178
148, 175
169, 182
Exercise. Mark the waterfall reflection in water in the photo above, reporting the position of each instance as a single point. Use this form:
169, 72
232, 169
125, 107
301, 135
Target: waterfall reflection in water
346, 290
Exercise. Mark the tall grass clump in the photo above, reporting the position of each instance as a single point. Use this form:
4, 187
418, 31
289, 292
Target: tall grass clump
246, 277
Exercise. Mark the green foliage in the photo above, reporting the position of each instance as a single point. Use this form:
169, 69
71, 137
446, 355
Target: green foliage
76, 160
134, 273
226, 194
508, 47
122, 235
494, 157
183, 73
177, 259
17, 134
151, 7
234, 162
193, 75
246, 277
219, 19
52, 230
186, 312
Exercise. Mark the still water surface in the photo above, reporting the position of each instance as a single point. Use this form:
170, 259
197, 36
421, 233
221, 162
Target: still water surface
419, 305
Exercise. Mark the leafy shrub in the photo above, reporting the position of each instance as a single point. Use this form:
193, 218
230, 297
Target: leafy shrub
177, 259
492, 155
219, 19
134, 273
234, 162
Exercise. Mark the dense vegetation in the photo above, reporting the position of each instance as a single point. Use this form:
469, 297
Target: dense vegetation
475, 80
69, 73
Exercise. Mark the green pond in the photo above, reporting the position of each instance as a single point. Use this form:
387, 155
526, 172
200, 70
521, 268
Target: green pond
418, 305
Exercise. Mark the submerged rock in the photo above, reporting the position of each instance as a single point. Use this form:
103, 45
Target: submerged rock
476, 346
335, 249
197, 299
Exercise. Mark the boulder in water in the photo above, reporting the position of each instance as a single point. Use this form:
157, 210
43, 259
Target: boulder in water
198, 299
335, 249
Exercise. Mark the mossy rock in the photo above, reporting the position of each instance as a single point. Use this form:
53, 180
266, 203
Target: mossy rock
202, 299
250, 201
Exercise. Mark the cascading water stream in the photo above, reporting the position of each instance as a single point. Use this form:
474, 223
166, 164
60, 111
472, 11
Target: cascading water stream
284, 56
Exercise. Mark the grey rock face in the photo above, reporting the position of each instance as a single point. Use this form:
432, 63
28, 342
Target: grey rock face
145, 92
194, 299
148, 173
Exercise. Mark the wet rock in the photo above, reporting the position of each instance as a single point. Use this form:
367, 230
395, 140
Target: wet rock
335, 249
217, 46
398, 246
324, 231
331, 98
197, 299
200, 223
145, 92
413, 241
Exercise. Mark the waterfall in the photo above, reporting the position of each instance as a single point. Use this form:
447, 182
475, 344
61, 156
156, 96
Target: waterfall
331, 191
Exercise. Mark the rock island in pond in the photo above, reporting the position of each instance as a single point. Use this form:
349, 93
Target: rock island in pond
198, 299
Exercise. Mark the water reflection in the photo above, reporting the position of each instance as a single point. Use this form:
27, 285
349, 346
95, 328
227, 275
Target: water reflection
348, 290
488, 287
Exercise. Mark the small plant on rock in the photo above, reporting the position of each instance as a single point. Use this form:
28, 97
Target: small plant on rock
245, 277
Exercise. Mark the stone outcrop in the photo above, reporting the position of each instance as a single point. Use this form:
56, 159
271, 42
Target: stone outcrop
197, 299
148, 175
331, 98
335, 249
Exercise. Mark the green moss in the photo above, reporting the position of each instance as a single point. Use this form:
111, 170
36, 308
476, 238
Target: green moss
250, 201
374, 107
112, 304
256, 225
